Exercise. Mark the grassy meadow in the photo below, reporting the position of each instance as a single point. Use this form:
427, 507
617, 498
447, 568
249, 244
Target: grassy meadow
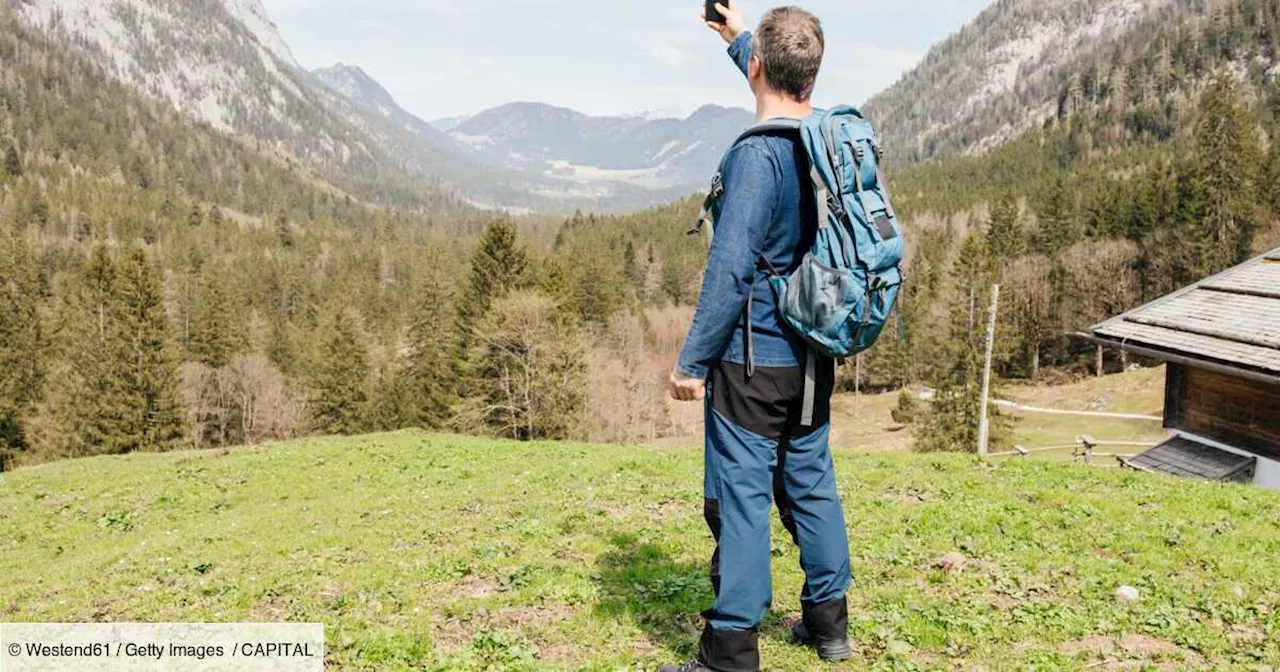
439, 552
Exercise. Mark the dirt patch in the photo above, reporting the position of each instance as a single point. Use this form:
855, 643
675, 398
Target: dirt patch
522, 618
455, 634
669, 510
1133, 652
270, 610
1244, 635
475, 587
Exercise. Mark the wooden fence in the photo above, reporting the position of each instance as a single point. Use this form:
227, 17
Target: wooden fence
1084, 450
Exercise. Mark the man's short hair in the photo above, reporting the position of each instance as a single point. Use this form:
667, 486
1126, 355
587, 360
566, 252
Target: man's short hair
790, 44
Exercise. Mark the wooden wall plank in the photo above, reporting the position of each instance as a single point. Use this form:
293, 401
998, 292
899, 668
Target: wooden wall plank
1235, 411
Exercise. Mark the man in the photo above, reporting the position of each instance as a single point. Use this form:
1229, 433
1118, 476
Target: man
757, 446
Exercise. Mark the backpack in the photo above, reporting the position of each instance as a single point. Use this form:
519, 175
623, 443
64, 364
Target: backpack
840, 296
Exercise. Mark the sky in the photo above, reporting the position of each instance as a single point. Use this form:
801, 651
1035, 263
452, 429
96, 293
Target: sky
444, 58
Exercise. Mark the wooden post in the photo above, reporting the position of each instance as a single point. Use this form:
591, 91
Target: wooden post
1100, 367
1089, 444
984, 424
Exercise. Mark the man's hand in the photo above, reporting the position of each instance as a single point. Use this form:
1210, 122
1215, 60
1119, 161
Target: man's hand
684, 388
733, 26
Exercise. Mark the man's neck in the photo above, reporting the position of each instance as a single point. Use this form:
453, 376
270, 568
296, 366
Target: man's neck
773, 107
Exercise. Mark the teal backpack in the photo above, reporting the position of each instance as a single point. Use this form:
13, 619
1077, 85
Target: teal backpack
841, 295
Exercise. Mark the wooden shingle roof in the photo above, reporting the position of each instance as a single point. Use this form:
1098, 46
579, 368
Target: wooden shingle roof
1187, 457
1232, 318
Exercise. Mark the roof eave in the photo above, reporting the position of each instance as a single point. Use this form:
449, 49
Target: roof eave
1208, 364
1273, 255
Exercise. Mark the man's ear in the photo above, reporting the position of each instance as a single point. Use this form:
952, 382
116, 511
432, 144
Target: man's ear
755, 67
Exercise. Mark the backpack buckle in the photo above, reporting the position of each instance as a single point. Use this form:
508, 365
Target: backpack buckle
836, 207
717, 187
703, 220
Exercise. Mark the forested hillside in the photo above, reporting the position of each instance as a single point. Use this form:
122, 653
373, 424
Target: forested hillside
1125, 194
1022, 63
224, 64
166, 285
135, 240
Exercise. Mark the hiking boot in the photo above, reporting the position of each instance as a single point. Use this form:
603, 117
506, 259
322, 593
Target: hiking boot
825, 629
694, 665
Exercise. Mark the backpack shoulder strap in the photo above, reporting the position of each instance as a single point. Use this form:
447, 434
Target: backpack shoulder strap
776, 125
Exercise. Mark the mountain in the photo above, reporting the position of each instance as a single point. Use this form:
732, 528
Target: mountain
356, 86
1024, 63
224, 63
425, 149
657, 153
449, 123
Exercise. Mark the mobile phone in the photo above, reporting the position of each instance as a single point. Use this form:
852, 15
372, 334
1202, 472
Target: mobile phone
713, 14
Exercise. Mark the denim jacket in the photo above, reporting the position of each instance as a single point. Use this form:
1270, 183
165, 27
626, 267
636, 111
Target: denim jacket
767, 214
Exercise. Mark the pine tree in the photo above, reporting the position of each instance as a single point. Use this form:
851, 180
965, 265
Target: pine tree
600, 290
631, 265
952, 421
427, 372
284, 232
12, 162
340, 377
1059, 223
1004, 230
21, 341
497, 267
217, 334
152, 418
84, 403
1228, 164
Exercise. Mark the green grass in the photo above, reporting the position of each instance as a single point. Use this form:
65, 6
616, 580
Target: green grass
442, 552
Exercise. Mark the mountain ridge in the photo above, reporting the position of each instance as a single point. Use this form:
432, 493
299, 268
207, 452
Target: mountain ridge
1021, 64
559, 141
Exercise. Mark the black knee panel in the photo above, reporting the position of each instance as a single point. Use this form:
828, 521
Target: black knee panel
711, 513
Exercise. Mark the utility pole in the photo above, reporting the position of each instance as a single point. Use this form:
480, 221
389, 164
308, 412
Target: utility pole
984, 424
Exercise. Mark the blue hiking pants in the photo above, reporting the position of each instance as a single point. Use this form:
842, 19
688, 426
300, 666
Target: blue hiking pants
758, 453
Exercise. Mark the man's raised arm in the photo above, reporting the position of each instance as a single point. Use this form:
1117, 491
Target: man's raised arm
734, 32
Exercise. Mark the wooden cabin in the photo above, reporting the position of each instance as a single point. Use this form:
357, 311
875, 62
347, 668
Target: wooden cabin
1221, 340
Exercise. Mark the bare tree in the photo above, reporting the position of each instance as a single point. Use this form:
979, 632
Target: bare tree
247, 401
265, 404
528, 371
625, 402
1030, 300
1101, 279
